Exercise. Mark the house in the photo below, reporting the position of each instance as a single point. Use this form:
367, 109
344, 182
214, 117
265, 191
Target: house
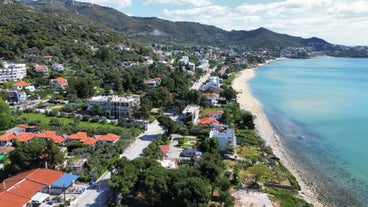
108, 138
190, 114
217, 114
57, 67
213, 81
33, 186
44, 69
23, 85
212, 98
17, 96
47, 58
224, 135
25, 137
206, 121
119, 106
59, 82
152, 83
12, 72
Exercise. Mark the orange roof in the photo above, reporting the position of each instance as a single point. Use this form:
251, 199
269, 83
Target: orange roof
89, 141
109, 137
10, 200
20, 84
26, 188
25, 126
208, 120
216, 112
7, 137
46, 134
25, 137
78, 135
60, 79
19, 189
21, 137
57, 139
165, 149
41, 175
210, 94
47, 57
41, 67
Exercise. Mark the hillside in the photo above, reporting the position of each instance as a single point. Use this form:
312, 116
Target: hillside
155, 30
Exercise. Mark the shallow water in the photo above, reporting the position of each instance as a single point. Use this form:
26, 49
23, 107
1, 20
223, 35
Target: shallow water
319, 108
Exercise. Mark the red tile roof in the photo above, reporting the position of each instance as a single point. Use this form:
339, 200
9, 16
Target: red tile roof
78, 136
89, 141
19, 189
60, 79
25, 137
41, 67
26, 188
20, 84
210, 95
216, 112
108, 137
10, 200
165, 149
25, 126
208, 121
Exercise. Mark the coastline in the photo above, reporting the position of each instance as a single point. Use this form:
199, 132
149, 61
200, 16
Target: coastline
265, 131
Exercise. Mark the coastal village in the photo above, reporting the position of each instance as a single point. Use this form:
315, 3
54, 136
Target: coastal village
112, 122
64, 186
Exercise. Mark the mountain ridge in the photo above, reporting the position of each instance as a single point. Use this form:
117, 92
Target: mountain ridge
155, 30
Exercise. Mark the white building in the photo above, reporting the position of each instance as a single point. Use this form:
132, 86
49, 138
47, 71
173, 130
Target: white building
12, 72
191, 113
119, 106
184, 60
57, 67
224, 135
18, 86
214, 81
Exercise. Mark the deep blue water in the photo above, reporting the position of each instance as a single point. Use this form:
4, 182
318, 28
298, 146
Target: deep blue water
319, 109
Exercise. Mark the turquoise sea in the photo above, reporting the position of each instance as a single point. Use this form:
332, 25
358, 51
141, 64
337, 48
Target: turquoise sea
319, 109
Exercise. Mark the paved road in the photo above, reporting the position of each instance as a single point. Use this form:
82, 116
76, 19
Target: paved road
174, 151
142, 141
100, 193
96, 195
203, 79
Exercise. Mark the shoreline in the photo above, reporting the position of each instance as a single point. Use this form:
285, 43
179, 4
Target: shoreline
266, 132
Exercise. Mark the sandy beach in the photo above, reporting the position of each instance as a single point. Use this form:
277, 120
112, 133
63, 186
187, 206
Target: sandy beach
265, 130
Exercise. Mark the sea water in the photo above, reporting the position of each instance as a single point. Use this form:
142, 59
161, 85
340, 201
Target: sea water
319, 109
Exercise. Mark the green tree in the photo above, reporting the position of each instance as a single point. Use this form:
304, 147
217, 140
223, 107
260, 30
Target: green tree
259, 172
32, 155
167, 123
193, 191
154, 185
125, 178
229, 93
211, 167
96, 109
210, 145
6, 119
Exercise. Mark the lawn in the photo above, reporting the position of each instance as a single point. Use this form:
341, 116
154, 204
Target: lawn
205, 112
189, 142
105, 127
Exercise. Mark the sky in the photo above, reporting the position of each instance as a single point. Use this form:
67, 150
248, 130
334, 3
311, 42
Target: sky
336, 21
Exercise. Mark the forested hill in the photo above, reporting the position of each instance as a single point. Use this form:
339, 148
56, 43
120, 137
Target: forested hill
29, 33
155, 30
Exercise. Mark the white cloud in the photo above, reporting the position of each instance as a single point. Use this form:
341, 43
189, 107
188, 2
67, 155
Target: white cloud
116, 4
351, 9
179, 2
289, 6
